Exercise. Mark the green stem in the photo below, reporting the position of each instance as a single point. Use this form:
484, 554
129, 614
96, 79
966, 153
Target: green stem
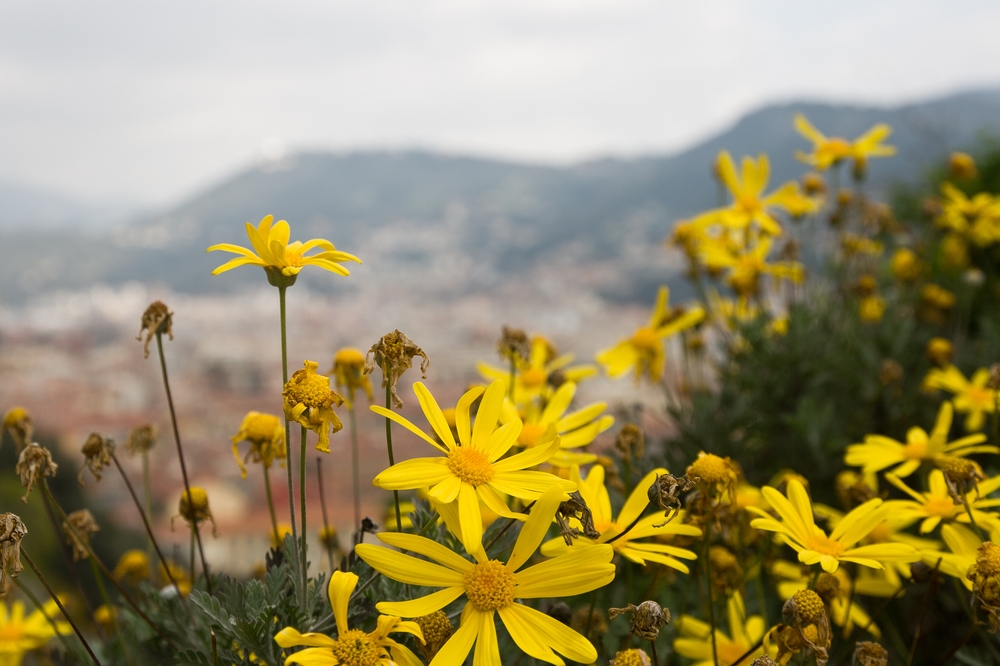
513, 375
288, 431
107, 603
322, 506
270, 506
302, 502
388, 444
194, 530
355, 466
706, 560
147, 493
972, 520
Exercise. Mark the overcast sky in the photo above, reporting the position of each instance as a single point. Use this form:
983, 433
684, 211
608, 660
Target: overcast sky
152, 101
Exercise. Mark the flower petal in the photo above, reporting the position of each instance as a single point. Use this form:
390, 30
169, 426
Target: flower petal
535, 528
413, 473
421, 605
339, 592
393, 416
408, 569
456, 649
434, 414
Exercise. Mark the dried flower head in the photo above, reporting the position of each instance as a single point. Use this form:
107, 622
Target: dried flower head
17, 421
12, 530
194, 508
513, 345
867, 653
665, 492
806, 614
157, 319
34, 463
764, 660
714, 475
852, 489
266, 435
633, 657
890, 372
394, 353
961, 475
589, 622
348, 373
437, 629
985, 576
827, 587
141, 439
575, 507
96, 455
646, 620
727, 574
78, 526
133, 565
630, 442
940, 351
961, 166
310, 402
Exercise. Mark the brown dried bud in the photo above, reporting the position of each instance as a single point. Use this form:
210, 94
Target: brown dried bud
647, 618
78, 526
993, 382
665, 492
157, 319
513, 344
633, 657
890, 372
865, 286
806, 614
813, 184
867, 653
827, 587
630, 442
394, 353
764, 660
141, 439
437, 629
575, 507
194, 508
12, 530
96, 455
18, 423
34, 463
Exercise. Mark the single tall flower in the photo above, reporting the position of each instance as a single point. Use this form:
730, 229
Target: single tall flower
310, 402
266, 435
798, 529
594, 492
20, 634
544, 368
352, 647
830, 151
644, 351
972, 397
492, 587
695, 641
878, 452
279, 257
472, 468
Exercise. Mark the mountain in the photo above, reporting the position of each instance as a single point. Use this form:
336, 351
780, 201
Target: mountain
459, 224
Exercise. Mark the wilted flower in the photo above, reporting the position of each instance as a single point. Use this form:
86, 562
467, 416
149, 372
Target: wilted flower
806, 617
34, 463
310, 402
18, 423
348, 373
12, 530
813, 184
630, 442
633, 657
78, 526
96, 452
961, 475
394, 353
646, 618
513, 344
575, 507
867, 653
665, 492
985, 576
727, 574
156, 319
437, 629
193, 508
266, 435
141, 439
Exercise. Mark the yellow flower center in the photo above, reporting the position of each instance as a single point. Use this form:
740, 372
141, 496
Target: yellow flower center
988, 559
530, 432
490, 586
308, 388
11, 633
809, 605
749, 203
837, 148
349, 356
646, 339
260, 427
916, 449
824, 545
710, 468
939, 506
980, 398
356, 648
470, 465
435, 627
534, 377
633, 657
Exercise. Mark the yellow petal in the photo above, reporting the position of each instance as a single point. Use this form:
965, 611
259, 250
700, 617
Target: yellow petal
408, 569
422, 605
339, 592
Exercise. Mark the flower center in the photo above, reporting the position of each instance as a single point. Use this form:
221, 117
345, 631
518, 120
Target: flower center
310, 389
710, 468
838, 148
988, 559
490, 586
11, 634
633, 657
470, 465
916, 450
980, 398
261, 427
939, 506
356, 648
808, 605
749, 203
533, 377
646, 339
824, 545
530, 432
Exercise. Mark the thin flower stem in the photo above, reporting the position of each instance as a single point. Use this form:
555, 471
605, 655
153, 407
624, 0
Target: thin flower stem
147, 493
513, 375
355, 465
707, 561
590, 614
972, 519
302, 502
652, 649
60, 536
322, 506
388, 444
107, 603
270, 505
62, 608
215, 650
145, 522
180, 452
923, 613
194, 530
288, 430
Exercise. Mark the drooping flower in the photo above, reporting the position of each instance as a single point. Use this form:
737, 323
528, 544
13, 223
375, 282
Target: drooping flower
12, 530
878, 452
34, 463
96, 452
638, 544
798, 529
493, 587
695, 642
644, 351
79, 525
352, 647
141, 439
393, 354
20, 634
310, 402
18, 424
156, 319
278, 257
830, 151
472, 469
193, 508
266, 435
348, 373
972, 397
544, 369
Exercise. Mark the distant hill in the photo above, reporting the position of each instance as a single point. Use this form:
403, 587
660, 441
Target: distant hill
458, 223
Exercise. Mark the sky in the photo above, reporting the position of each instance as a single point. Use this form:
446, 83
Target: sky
146, 103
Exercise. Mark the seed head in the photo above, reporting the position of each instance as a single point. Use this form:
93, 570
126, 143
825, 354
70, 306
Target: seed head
764, 660
727, 574
867, 653
394, 353
34, 463
806, 616
18, 423
714, 475
985, 576
633, 657
589, 622
310, 402
12, 530
437, 629
513, 345
96, 455
890, 372
141, 439
961, 475
647, 618
827, 587
156, 319
78, 526
630, 442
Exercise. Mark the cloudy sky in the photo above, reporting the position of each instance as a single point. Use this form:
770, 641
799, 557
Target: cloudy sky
148, 102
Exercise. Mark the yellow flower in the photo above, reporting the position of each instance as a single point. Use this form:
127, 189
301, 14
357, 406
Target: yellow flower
750, 204
472, 469
594, 492
961, 165
829, 151
310, 402
266, 435
976, 219
798, 529
937, 505
746, 265
879, 452
491, 586
133, 564
695, 639
534, 378
277, 256
19, 634
905, 265
963, 545
644, 351
352, 647
871, 309
575, 430
971, 397
347, 370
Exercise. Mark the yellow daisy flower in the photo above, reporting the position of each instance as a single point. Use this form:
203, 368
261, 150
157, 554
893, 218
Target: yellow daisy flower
276, 255
532, 378
830, 151
971, 397
746, 265
352, 647
798, 529
977, 219
937, 505
575, 430
20, 634
878, 452
594, 492
695, 639
644, 351
963, 545
493, 587
310, 402
472, 469
266, 435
